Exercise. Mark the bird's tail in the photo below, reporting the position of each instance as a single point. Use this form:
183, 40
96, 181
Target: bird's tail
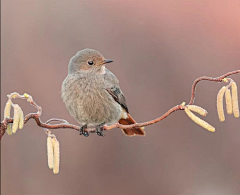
131, 132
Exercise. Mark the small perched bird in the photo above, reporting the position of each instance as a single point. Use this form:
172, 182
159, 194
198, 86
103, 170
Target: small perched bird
93, 96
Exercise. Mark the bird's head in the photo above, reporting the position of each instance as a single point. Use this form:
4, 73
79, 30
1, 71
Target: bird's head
88, 60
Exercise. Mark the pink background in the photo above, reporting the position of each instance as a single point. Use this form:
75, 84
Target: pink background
159, 47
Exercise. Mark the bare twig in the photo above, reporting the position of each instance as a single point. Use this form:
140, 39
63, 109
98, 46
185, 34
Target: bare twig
64, 124
216, 79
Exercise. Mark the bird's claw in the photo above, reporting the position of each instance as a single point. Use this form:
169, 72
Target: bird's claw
99, 129
83, 132
100, 133
86, 134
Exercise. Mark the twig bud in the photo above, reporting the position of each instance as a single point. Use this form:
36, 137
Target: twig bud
199, 121
220, 110
56, 155
50, 151
228, 99
197, 109
235, 100
25, 95
225, 80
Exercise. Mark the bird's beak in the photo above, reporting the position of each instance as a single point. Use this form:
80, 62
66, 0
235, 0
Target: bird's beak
107, 61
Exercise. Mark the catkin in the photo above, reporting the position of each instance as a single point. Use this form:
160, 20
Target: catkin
235, 99
9, 129
197, 109
220, 110
56, 155
50, 152
21, 119
228, 99
16, 118
7, 111
199, 121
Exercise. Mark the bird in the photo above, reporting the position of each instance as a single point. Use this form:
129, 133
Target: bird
92, 94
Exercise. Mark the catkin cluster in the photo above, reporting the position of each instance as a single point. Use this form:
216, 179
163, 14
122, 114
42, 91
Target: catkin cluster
53, 153
189, 108
231, 99
18, 117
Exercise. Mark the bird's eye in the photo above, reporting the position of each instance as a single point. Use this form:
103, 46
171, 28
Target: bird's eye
90, 62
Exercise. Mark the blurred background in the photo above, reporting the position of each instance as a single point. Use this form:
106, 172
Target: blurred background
159, 48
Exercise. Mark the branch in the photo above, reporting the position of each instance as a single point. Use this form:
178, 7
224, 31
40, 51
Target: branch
64, 124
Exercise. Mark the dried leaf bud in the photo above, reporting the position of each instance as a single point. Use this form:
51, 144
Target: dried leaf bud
228, 99
199, 121
56, 155
50, 152
16, 118
220, 110
21, 119
14, 95
235, 100
197, 109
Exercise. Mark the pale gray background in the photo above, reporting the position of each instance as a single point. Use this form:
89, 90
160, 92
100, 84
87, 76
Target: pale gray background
159, 47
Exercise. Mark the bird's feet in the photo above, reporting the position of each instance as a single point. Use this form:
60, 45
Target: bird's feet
82, 130
99, 129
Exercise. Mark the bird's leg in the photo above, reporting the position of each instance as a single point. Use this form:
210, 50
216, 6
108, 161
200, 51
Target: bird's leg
99, 129
82, 131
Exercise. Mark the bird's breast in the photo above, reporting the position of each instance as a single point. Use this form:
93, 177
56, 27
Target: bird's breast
89, 102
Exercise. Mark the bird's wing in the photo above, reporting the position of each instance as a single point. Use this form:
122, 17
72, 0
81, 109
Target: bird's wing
113, 88
117, 95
